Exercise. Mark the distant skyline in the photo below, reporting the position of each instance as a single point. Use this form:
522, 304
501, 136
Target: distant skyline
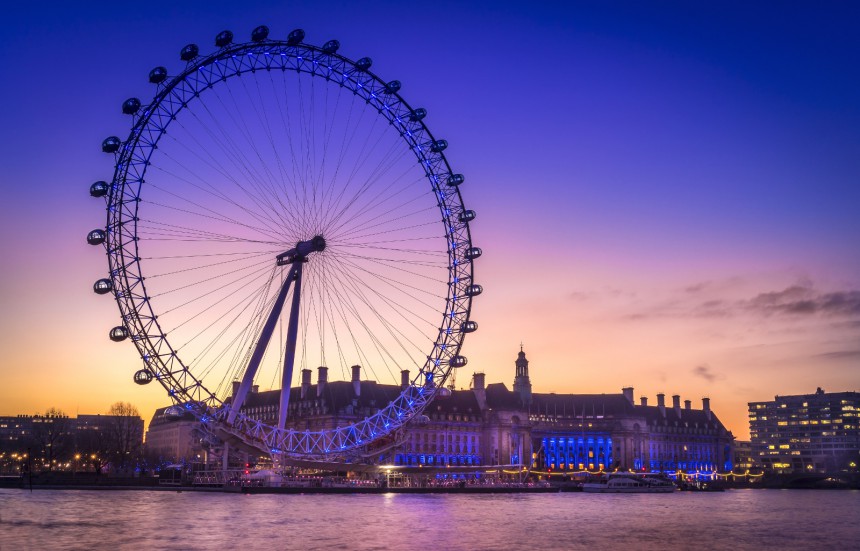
667, 194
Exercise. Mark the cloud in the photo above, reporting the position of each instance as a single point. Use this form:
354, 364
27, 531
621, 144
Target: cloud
704, 371
725, 299
799, 300
840, 355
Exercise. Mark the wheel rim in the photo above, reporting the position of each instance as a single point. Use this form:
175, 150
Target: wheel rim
368, 298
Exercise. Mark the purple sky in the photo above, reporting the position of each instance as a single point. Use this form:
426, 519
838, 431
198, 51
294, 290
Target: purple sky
667, 193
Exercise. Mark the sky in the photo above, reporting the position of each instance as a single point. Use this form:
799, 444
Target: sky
667, 193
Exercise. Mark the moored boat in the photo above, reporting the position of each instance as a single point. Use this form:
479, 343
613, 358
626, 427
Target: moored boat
630, 483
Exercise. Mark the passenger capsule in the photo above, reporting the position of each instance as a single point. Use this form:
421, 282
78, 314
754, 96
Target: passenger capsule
458, 361
224, 38
417, 114
392, 87
103, 286
189, 52
295, 38
118, 333
467, 216
111, 144
473, 253
474, 290
99, 189
130, 106
469, 327
363, 64
456, 179
158, 75
331, 47
143, 377
439, 146
174, 413
96, 237
260, 34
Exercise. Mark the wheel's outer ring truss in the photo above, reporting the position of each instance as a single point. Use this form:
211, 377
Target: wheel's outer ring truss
123, 201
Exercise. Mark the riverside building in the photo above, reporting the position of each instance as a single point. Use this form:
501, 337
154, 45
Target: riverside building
490, 424
806, 433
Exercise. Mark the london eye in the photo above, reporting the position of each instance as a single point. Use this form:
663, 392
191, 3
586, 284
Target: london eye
276, 207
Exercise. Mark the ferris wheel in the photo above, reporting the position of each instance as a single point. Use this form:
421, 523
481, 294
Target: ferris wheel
278, 206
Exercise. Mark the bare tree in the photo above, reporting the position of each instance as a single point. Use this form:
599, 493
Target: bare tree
50, 435
125, 435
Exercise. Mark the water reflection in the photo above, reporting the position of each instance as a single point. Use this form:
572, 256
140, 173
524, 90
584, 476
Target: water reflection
739, 519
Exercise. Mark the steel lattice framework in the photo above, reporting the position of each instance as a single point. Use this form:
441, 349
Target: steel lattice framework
126, 276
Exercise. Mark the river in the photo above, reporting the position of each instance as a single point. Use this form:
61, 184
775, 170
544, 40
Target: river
735, 519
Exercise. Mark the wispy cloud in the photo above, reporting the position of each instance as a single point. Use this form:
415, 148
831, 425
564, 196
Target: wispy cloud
705, 372
840, 355
799, 300
709, 300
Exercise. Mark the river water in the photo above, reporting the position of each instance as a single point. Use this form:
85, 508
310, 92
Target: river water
735, 519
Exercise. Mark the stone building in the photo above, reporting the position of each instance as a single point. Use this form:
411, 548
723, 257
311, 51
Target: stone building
490, 424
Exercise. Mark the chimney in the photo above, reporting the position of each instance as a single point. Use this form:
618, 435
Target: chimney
404, 378
706, 406
255, 389
676, 401
687, 405
306, 382
235, 388
661, 403
322, 379
479, 389
643, 401
356, 379
628, 393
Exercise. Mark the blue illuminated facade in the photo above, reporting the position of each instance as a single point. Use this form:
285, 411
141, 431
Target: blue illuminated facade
571, 453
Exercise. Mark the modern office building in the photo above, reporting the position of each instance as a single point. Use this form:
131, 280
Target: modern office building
806, 433
744, 459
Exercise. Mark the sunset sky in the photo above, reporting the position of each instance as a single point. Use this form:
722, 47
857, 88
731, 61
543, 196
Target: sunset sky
668, 193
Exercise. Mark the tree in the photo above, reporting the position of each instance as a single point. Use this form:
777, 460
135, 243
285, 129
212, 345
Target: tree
124, 435
50, 435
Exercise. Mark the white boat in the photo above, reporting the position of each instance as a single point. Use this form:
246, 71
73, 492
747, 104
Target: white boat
630, 483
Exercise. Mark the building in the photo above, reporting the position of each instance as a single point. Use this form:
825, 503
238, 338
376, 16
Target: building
52, 441
494, 425
170, 440
806, 433
744, 458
